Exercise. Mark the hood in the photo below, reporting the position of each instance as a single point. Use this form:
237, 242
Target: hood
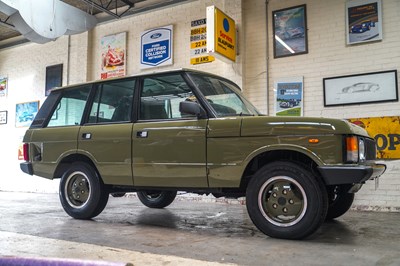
267, 125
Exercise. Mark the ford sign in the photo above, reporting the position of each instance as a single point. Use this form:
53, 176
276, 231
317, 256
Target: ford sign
156, 35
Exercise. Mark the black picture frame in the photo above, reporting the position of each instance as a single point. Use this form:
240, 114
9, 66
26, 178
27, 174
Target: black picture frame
365, 88
54, 75
290, 31
3, 117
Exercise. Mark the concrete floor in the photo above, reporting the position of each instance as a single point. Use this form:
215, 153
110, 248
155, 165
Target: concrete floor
187, 233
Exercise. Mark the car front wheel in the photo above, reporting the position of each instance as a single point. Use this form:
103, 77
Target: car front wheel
156, 199
82, 193
285, 200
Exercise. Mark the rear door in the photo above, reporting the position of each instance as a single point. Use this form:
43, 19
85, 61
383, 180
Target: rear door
106, 136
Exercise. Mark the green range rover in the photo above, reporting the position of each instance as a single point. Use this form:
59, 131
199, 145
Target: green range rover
185, 130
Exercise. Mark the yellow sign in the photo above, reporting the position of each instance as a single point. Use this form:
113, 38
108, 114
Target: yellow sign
201, 60
221, 34
385, 131
198, 43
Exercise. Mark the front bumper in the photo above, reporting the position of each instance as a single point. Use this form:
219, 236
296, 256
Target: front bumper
26, 167
340, 175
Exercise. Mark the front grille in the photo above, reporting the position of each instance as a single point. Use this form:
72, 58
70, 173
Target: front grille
370, 149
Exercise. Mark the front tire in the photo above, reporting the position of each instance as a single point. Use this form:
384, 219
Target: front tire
156, 199
82, 192
285, 200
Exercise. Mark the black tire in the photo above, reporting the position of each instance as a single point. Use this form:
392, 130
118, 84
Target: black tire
285, 200
82, 192
340, 201
156, 199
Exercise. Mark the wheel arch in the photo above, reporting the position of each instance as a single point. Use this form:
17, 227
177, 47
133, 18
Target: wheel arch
68, 160
293, 153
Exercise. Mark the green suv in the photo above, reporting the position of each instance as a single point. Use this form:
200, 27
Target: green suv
184, 130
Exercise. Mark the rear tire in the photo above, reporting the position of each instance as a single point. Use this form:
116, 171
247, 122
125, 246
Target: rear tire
285, 200
156, 199
340, 202
82, 192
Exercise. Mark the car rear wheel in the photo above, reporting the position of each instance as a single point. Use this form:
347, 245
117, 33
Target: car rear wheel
285, 200
82, 192
156, 199
340, 202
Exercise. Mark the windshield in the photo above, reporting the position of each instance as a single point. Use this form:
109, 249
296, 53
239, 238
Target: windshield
223, 96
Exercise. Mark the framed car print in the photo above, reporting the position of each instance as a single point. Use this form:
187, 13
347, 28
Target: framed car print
361, 88
25, 113
363, 21
290, 31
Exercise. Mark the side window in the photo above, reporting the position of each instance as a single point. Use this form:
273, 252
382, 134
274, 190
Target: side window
113, 102
70, 108
160, 97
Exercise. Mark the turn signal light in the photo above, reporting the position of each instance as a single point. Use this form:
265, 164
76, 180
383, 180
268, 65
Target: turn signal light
352, 149
313, 141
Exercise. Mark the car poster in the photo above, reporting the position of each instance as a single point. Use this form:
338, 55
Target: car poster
289, 97
3, 87
113, 50
363, 21
25, 113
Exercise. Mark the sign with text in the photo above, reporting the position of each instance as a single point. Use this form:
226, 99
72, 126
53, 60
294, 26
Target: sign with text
3, 87
385, 131
113, 56
156, 47
289, 97
198, 43
221, 34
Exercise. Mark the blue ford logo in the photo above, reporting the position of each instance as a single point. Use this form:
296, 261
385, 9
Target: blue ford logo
155, 35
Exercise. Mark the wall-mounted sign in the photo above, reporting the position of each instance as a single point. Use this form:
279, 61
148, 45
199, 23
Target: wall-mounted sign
198, 43
385, 131
113, 49
221, 34
3, 87
289, 97
156, 47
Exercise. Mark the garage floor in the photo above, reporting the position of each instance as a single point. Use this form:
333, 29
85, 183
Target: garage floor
186, 233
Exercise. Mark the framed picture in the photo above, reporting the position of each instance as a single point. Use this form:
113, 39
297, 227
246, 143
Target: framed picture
53, 77
25, 113
290, 31
3, 87
289, 97
361, 88
3, 117
363, 21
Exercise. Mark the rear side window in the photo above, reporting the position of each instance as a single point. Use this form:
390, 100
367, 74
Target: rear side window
70, 108
113, 102
160, 97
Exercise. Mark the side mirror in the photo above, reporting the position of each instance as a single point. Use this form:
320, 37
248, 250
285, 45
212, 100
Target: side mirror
192, 108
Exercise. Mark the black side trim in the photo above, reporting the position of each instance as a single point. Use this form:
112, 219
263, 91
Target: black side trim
339, 175
26, 167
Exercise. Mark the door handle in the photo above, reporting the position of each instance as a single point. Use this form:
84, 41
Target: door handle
142, 134
86, 135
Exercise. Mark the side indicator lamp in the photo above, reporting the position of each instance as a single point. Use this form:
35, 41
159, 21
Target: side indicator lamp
313, 141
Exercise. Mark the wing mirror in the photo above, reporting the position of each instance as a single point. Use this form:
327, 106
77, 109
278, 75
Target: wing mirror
192, 108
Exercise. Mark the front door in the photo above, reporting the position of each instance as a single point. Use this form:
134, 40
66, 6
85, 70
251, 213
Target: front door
169, 148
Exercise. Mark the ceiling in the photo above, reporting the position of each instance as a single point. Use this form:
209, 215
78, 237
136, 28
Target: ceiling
104, 10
